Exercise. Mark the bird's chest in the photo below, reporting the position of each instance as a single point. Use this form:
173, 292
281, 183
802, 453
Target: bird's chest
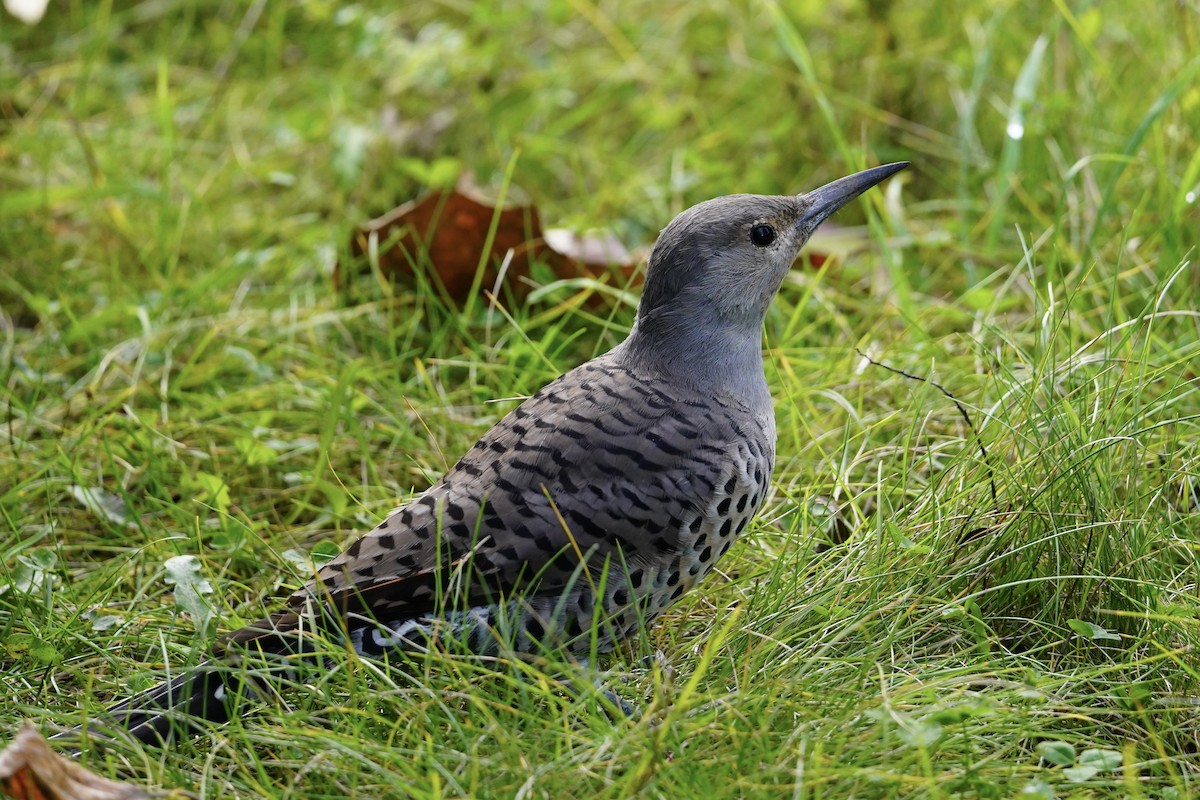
707, 533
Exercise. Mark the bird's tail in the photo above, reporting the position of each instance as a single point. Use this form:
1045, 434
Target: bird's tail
210, 692
206, 692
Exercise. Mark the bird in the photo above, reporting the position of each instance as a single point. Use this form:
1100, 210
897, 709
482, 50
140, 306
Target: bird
587, 510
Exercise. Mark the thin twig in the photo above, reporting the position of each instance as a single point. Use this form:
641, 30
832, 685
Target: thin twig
961, 410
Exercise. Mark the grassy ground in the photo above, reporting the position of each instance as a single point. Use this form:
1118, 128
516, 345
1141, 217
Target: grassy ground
180, 379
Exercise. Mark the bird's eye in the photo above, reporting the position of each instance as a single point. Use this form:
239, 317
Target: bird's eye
762, 235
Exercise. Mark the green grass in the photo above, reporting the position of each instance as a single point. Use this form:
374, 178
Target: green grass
178, 178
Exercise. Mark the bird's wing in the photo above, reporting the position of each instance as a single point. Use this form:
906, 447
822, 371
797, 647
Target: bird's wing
599, 464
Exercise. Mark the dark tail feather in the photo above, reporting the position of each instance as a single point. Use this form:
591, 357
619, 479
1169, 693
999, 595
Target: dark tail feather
208, 692
204, 693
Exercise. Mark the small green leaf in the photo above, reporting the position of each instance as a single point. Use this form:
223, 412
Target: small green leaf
22, 645
32, 572
1060, 754
325, 551
45, 653
183, 572
43, 558
1080, 774
1091, 630
18, 644
1102, 760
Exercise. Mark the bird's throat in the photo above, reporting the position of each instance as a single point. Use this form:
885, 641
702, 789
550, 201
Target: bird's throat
717, 357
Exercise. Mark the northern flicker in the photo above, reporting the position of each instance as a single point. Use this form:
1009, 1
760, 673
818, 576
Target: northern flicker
592, 506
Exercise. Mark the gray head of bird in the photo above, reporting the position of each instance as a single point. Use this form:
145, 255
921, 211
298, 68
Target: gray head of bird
717, 266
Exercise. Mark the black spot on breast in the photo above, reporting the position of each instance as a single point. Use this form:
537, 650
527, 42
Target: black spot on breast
636, 577
620, 597
730, 485
726, 527
706, 554
678, 591
741, 503
386, 541
723, 506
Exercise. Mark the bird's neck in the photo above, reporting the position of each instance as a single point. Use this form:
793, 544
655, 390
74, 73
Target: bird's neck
711, 354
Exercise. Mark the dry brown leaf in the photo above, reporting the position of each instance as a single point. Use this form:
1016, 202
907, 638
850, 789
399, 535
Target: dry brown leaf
30, 770
451, 227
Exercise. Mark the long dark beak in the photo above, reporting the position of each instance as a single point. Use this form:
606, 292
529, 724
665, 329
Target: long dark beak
832, 196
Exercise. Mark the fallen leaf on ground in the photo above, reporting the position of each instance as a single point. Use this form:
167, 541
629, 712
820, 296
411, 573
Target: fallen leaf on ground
448, 230
30, 770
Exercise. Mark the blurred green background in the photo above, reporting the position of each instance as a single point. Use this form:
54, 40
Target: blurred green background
168, 135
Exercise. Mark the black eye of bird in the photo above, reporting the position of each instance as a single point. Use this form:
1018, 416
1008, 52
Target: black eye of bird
762, 235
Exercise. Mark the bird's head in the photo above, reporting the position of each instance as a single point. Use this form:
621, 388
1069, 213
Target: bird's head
729, 255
